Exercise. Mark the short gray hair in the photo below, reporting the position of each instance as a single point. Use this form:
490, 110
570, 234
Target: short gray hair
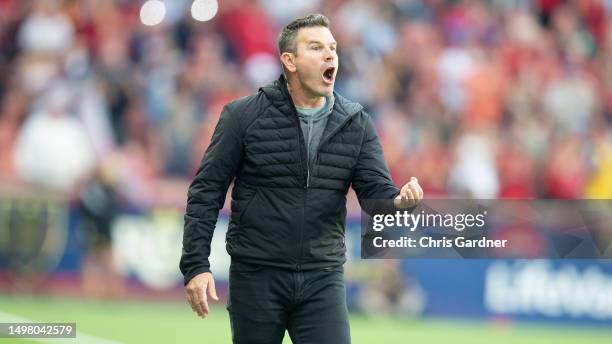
286, 39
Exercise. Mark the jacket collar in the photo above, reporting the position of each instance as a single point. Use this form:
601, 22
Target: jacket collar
278, 94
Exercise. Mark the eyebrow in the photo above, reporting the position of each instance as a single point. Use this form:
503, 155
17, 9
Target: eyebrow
319, 42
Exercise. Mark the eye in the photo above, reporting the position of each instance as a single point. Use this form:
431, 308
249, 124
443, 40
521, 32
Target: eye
316, 47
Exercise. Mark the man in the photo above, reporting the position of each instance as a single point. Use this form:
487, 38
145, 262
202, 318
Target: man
292, 151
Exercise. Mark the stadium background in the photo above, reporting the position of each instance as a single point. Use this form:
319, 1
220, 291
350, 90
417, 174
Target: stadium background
103, 121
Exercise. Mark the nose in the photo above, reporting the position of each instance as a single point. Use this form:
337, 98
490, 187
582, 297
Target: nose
329, 54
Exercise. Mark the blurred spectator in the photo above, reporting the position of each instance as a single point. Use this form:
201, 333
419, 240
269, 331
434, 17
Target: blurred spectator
571, 101
565, 175
600, 184
46, 29
252, 38
97, 207
474, 173
53, 149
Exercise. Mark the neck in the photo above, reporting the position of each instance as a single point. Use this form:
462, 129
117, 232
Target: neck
302, 98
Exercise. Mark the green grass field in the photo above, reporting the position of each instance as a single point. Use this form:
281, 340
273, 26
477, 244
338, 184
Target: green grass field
156, 322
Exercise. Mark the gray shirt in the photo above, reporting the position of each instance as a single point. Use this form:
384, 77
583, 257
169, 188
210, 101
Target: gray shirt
313, 122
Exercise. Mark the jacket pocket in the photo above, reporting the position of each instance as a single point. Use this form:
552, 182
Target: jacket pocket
247, 206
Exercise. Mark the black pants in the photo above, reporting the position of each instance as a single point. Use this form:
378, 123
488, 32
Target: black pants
263, 302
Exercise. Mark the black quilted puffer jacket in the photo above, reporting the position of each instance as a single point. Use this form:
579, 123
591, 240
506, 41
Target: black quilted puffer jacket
282, 214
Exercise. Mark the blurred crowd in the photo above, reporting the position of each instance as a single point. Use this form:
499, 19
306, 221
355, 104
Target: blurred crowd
484, 99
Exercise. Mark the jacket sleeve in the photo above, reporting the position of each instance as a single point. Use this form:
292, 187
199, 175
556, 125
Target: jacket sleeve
371, 178
207, 193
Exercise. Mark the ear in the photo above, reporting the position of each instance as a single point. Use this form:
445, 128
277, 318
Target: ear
288, 60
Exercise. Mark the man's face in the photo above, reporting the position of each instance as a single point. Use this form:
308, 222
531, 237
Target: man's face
316, 60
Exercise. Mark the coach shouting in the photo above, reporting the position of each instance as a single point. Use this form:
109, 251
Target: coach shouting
292, 150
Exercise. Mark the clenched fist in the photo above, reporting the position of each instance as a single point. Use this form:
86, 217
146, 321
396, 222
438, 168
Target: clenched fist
410, 194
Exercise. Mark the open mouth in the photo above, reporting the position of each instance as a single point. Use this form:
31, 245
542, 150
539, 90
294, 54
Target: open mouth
328, 74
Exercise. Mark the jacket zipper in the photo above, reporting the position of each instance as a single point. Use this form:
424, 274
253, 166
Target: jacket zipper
298, 265
308, 151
